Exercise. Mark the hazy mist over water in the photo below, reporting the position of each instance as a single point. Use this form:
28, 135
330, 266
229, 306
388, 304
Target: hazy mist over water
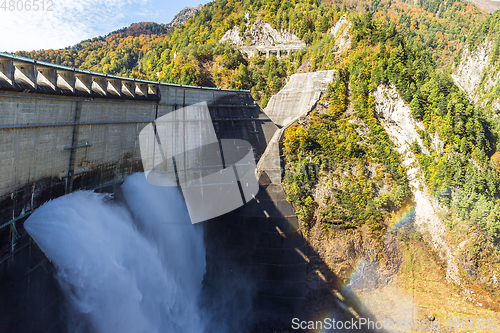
125, 268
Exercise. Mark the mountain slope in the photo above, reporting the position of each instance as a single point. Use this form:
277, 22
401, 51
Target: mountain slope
152, 28
345, 176
116, 53
452, 150
477, 71
489, 6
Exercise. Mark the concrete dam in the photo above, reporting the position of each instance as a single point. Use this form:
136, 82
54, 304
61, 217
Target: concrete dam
64, 129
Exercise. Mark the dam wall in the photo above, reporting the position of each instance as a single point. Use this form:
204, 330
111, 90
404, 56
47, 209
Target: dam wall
52, 145
62, 130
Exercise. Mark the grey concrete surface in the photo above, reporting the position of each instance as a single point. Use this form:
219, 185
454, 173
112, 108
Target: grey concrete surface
294, 101
298, 96
54, 141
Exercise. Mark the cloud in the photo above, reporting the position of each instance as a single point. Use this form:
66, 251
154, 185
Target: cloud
69, 22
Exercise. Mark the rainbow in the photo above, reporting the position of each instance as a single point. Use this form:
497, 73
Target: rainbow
401, 219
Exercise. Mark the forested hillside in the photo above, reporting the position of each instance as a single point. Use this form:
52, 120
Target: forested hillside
191, 54
462, 176
477, 69
410, 45
354, 176
117, 52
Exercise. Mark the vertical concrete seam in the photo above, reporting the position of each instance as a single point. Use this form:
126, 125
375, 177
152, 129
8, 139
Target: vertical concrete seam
72, 150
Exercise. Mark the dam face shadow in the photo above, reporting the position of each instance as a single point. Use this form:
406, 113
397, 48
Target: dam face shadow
261, 272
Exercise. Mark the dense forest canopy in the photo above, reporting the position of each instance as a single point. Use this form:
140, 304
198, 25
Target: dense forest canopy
189, 55
462, 176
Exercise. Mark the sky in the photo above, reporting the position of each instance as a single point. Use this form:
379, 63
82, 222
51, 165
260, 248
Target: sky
70, 21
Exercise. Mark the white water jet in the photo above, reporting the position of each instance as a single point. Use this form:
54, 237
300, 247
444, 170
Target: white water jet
125, 269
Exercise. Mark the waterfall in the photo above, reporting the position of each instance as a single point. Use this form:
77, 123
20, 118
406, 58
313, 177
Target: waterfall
133, 265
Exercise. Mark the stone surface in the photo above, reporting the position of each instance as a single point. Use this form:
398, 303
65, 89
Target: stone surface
487, 5
340, 31
263, 38
475, 76
400, 126
259, 33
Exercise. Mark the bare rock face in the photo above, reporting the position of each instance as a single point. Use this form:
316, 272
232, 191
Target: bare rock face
469, 72
260, 33
487, 5
340, 31
475, 76
185, 14
233, 36
150, 28
396, 119
392, 108
261, 36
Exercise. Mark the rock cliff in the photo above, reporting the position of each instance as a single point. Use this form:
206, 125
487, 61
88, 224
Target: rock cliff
261, 36
476, 76
340, 31
395, 117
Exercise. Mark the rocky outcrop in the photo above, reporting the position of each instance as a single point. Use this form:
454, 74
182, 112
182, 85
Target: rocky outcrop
152, 28
396, 119
392, 108
261, 36
475, 76
469, 72
185, 14
233, 36
260, 33
340, 31
487, 5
